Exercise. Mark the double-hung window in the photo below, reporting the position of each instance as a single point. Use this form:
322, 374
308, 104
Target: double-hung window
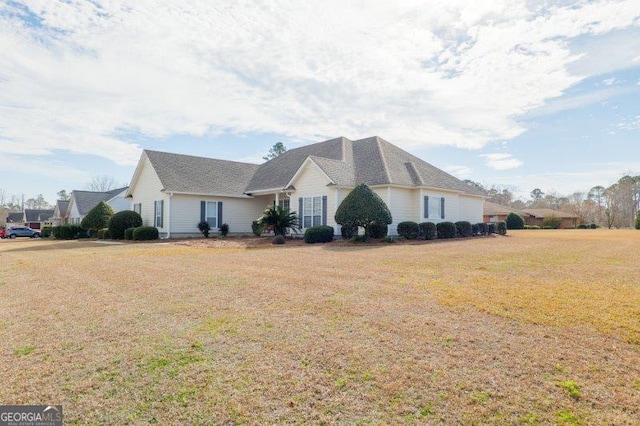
137, 207
313, 211
158, 207
433, 207
211, 212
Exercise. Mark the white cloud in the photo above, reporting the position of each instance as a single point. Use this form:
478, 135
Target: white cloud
609, 81
500, 161
459, 171
455, 73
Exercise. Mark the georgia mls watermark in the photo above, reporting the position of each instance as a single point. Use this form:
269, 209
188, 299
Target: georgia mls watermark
30, 415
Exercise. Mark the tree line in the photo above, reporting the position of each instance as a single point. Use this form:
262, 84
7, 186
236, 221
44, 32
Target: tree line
614, 206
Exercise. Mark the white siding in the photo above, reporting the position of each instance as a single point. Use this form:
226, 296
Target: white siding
238, 213
451, 206
119, 203
312, 182
471, 209
404, 206
74, 214
146, 190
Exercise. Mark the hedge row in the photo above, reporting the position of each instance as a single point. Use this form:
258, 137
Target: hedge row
443, 230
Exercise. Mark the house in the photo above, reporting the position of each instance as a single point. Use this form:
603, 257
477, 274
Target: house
175, 192
537, 217
60, 213
493, 212
16, 218
37, 218
81, 202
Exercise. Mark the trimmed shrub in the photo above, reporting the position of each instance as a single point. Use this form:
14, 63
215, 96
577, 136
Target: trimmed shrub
145, 233
278, 239
637, 224
68, 232
531, 227
257, 228
428, 230
279, 220
501, 227
409, 230
205, 228
318, 234
514, 221
378, 230
482, 228
121, 221
446, 230
103, 234
594, 226
582, 226
491, 228
128, 233
46, 231
463, 228
98, 217
224, 229
348, 231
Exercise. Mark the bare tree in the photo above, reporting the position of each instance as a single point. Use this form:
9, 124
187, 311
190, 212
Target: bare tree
38, 203
103, 183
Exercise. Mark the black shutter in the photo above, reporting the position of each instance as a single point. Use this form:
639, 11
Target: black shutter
155, 213
161, 225
203, 209
442, 208
220, 222
324, 210
426, 207
300, 213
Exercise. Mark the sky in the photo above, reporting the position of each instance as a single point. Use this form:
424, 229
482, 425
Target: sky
519, 94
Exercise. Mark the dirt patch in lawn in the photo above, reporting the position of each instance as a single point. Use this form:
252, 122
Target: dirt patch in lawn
536, 328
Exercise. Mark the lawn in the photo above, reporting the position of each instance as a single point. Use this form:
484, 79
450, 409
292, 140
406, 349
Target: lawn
535, 328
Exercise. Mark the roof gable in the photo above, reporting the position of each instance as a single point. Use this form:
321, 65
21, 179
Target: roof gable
198, 175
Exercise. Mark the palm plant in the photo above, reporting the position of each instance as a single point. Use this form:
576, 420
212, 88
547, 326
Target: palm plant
279, 220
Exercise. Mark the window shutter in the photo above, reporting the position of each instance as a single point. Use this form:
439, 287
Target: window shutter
155, 213
203, 208
426, 207
161, 225
324, 210
220, 222
300, 214
442, 208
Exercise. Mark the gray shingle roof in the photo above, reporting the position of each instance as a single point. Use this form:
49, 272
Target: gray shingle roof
199, 175
15, 217
38, 215
372, 161
62, 206
542, 213
86, 200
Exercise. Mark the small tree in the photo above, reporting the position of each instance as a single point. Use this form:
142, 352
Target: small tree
514, 221
363, 207
205, 228
279, 219
275, 150
98, 217
552, 221
638, 221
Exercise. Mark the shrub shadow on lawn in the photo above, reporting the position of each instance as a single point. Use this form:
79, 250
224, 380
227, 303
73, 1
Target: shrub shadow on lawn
62, 245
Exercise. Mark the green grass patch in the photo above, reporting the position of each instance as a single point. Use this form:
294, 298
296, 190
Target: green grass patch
572, 388
24, 350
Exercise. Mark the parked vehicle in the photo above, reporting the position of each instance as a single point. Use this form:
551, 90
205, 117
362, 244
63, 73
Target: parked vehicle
21, 231
3, 233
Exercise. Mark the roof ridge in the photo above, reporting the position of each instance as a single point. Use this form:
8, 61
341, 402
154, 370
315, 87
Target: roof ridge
383, 157
199, 156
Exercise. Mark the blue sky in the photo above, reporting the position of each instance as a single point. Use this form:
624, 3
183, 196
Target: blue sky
514, 93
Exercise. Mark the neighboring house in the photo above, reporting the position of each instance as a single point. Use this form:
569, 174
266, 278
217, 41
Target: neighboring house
174, 192
493, 212
37, 218
60, 213
537, 216
81, 202
16, 218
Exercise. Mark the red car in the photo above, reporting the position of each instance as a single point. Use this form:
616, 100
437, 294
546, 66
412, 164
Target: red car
3, 233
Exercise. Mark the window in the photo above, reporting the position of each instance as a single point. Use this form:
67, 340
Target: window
433, 207
211, 212
285, 204
158, 207
313, 211
137, 207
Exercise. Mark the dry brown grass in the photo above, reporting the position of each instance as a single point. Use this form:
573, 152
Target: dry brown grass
540, 327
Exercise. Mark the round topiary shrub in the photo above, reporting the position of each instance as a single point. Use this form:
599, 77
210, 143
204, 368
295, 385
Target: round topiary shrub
428, 230
121, 221
378, 230
409, 230
446, 230
491, 228
103, 234
482, 228
593, 226
514, 221
348, 231
463, 228
318, 234
278, 239
145, 233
